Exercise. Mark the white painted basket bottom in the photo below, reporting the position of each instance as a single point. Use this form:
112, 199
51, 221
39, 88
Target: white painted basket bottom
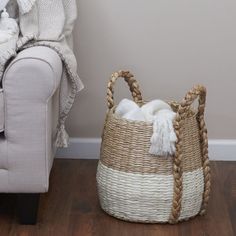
147, 198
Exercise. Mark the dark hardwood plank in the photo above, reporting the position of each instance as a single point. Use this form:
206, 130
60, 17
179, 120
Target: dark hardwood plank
71, 207
228, 189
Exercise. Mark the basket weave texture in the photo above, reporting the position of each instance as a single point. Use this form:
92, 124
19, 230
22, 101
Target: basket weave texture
136, 186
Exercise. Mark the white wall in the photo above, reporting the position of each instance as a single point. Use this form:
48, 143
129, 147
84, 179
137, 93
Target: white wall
168, 45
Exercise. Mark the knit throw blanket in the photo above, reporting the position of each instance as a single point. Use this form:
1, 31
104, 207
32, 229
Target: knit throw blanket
47, 23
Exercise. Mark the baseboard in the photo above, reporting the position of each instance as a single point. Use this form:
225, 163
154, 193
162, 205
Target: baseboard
81, 148
222, 149
89, 148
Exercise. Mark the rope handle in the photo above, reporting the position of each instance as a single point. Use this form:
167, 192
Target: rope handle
198, 91
129, 79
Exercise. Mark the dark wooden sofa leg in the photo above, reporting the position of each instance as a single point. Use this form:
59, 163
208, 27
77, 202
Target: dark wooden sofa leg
27, 208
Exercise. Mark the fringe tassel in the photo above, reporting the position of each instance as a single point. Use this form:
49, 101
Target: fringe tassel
62, 140
164, 137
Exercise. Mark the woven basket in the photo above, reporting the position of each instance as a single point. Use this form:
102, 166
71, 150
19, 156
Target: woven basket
136, 186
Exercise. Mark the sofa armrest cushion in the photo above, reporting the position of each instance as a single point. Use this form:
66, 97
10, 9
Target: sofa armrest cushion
37, 71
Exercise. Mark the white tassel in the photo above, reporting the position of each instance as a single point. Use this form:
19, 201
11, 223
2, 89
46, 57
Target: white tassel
62, 140
164, 137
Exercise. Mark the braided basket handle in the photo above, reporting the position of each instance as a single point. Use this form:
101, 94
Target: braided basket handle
197, 91
133, 85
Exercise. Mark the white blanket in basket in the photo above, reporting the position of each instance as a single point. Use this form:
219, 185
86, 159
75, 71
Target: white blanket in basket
161, 115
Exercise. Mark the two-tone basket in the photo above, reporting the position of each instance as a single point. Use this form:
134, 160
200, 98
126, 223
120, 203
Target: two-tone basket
136, 186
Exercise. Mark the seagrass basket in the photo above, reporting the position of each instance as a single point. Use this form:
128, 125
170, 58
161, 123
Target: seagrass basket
136, 186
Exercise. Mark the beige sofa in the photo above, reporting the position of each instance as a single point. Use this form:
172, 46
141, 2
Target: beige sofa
29, 103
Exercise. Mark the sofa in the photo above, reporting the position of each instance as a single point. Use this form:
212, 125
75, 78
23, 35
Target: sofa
29, 110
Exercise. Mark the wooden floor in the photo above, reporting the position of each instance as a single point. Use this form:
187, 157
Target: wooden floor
71, 207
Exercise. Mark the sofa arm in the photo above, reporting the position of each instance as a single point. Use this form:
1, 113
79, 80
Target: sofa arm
31, 109
35, 73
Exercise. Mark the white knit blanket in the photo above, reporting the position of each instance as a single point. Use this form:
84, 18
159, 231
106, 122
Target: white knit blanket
47, 23
160, 114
